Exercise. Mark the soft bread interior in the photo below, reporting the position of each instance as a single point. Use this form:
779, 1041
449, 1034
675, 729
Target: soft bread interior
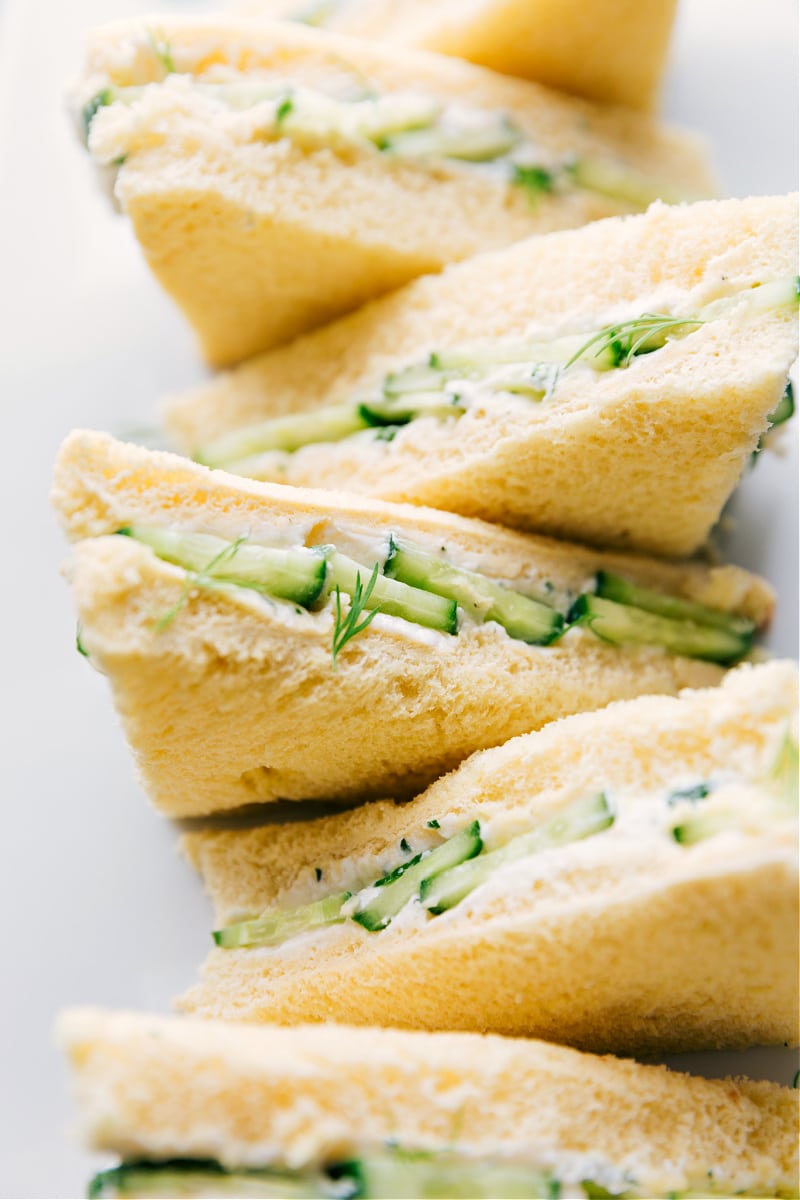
568, 44
158, 1087
621, 941
405, 704
668, 437
228, 219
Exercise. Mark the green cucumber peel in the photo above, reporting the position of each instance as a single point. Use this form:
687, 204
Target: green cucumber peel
523, 617
294, 574
273, 928
623, 624
623, 591
584, 818
392, 597
196, 1177
379, 904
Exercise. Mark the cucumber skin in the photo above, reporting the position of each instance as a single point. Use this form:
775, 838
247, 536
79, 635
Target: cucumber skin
677, 637
379, 913
466, 588
623, 591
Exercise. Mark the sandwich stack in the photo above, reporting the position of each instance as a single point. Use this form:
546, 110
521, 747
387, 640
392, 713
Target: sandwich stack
569, 772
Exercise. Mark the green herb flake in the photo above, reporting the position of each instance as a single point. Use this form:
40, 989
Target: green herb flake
697, 791
284, 108
433, 824
318, 873
404, 846
534, 181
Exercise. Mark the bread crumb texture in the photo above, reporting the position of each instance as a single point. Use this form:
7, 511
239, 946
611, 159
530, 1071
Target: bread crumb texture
158, 1087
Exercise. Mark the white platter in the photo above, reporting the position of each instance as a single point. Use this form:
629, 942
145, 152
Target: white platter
98, 908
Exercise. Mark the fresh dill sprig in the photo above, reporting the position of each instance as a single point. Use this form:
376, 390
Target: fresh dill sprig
162, 50
347, 625
198, 579
624, 341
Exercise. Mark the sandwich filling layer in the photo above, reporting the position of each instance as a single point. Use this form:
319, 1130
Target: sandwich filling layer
449, 382
393, 1174
395, 578
345, 114
435, 869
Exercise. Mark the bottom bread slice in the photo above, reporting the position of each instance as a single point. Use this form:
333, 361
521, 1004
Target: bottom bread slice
667, 922
157, 1088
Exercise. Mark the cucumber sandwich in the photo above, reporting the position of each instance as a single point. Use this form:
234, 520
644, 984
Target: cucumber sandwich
199, 1108
623, 880
608, 384
611, 51
310, 645
277, 176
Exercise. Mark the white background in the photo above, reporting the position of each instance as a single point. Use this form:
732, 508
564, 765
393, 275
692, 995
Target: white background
97, 907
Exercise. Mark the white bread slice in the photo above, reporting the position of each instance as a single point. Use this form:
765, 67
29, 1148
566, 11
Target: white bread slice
157, 1087
259, 240
624, 941
642, 457
249, 687
607, 50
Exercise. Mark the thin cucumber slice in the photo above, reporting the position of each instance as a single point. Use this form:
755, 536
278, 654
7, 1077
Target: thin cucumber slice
614, 587
297, 575
418, 377
185, 1178
288, 433
393, 892
581, 820
408, 1176
705, 825
622, 624
392, 597
784, 409
522, 617
482, 144
400, 410
621, 182
272, 928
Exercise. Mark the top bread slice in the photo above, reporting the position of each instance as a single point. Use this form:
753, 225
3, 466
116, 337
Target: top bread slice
236, 700
260, 237
642, 457
156, 1087
608, 51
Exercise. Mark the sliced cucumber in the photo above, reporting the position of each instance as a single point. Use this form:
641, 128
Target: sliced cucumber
705, 825
697, 791
185, 1178
614, 587
484, 143
622, 624
783, 773
408, 1176
392, 597
272, 928
393, 891
522, 617
297, 575
288, 433
621, 182
784, 409
402, 409
581, 820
